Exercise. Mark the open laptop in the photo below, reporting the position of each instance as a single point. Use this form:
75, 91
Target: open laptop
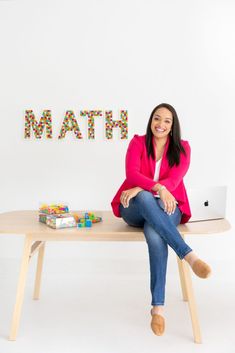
207, 203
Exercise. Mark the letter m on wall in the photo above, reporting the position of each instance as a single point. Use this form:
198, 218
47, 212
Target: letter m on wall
38, 127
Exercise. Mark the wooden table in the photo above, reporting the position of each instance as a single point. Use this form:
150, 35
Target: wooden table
111, 229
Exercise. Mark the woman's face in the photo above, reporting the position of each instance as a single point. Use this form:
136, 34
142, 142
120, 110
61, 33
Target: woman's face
161, 123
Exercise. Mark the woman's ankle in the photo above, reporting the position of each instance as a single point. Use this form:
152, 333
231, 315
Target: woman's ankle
157, 309
191, 257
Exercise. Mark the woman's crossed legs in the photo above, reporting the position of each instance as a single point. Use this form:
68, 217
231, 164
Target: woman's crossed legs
160, 230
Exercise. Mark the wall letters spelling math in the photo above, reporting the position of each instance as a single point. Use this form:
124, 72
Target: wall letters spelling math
70, 124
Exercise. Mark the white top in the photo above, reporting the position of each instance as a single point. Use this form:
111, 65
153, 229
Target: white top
157, 171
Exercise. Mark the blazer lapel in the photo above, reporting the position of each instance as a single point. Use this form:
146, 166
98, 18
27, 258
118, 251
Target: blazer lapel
152, 161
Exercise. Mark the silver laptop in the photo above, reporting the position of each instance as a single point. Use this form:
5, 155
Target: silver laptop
207, 202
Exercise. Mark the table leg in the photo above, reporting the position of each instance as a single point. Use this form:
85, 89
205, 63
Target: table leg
20, 287
191, 302
182, 279
37, 285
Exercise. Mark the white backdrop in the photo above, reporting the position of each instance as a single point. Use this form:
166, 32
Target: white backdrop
133, 55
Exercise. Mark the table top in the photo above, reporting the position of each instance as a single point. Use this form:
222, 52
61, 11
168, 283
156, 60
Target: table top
111, 228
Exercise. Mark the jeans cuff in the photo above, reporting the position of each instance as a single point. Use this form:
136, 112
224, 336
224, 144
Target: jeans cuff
185, 253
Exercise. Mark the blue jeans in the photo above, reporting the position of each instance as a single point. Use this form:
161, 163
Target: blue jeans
160, 230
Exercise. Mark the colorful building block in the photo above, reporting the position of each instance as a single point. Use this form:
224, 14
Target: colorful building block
88, 223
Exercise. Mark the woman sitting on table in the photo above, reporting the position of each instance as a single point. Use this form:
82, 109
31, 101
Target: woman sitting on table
153, 196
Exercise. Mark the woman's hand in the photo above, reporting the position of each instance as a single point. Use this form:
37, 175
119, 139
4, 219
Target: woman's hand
129, 194
168, 200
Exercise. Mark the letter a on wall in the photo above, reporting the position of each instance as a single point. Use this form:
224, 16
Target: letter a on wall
70, 124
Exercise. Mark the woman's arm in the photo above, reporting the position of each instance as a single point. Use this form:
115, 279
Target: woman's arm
164, 187
176, 173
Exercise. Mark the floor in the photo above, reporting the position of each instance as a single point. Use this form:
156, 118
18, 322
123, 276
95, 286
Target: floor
103, 306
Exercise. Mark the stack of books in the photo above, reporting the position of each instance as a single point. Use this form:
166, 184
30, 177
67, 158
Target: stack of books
56, 216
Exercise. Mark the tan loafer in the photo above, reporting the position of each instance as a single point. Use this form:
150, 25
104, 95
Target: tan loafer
201, 269
157, 324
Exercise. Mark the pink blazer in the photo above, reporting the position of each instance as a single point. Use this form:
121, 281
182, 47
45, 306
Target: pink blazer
140, 172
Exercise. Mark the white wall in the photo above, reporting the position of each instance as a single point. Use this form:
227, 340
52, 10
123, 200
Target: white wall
62, 55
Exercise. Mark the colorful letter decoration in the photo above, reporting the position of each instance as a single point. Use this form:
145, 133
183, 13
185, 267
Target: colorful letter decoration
122, 124
70, 124
38, 128
91, 121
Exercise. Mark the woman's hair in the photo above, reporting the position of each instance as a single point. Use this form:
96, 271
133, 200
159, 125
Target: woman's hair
175, 146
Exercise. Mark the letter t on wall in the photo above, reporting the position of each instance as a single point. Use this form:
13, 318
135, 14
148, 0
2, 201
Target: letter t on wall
91, 121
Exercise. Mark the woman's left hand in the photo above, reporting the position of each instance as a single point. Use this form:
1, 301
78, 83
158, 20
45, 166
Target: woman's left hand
129, 194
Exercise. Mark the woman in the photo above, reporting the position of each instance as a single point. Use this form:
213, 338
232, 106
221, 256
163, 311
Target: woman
153, 196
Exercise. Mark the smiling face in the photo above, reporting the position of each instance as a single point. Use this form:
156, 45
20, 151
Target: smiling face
161, 123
